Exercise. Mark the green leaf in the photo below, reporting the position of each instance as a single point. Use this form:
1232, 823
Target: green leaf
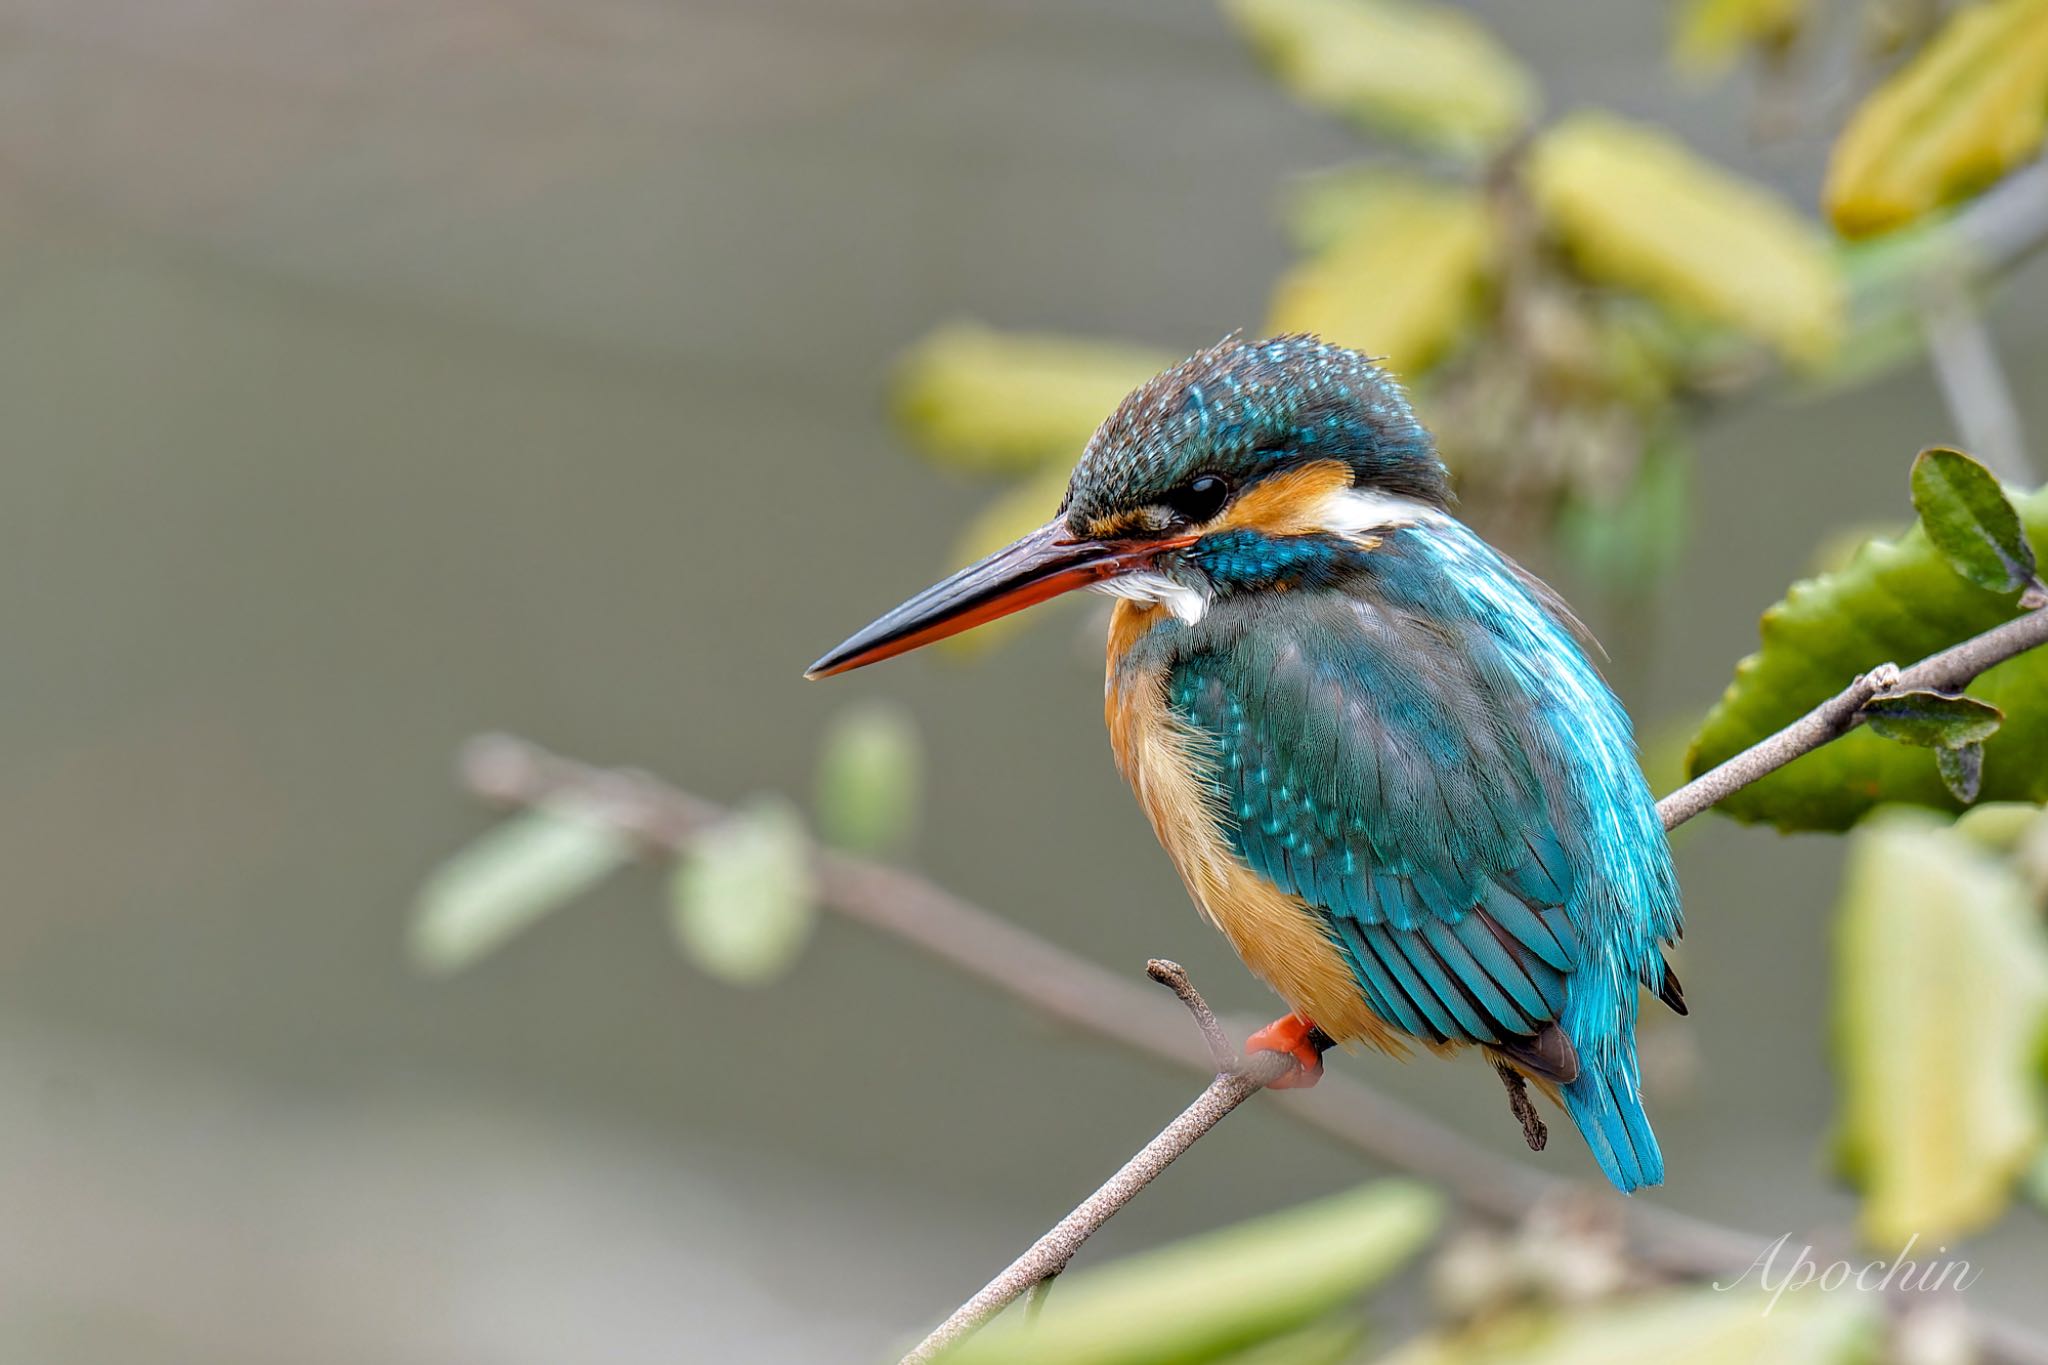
1427, 71
1969, 519
870, 778
978, 399
743, 903
1334, 1341
1967, 109
1941, 1003
1204, 1297
1639, 209
1896, 601
530, 864
1962, 769
1694, 1326
1932, 720
1402, 279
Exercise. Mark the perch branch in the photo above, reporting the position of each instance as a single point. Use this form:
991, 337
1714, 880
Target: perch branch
1049, 1255
1075, 991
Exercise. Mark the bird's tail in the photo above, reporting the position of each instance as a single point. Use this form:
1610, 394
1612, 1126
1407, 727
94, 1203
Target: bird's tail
1605, 1104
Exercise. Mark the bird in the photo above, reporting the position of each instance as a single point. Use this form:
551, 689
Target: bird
1374, 746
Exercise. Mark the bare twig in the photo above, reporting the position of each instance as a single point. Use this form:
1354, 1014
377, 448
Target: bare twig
1049, 1255
1078, 992
1175, 978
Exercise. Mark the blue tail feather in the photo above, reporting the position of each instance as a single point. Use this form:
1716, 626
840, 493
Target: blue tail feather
1605, 1105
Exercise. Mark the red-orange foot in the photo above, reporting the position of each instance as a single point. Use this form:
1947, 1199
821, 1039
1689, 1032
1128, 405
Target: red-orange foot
1298, 1037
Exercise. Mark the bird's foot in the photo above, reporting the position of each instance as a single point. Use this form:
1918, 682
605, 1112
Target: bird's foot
1300, 1039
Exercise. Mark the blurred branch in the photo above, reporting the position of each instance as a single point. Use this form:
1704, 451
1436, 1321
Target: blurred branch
1073, 990
1973, 381
1235, 1083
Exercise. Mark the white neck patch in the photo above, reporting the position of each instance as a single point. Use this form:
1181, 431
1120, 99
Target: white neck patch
1186, 603
1355, 511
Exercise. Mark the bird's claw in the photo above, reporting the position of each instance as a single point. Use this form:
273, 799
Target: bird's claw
1300, 1039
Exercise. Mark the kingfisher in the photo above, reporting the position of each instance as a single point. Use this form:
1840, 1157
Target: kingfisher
1373, 745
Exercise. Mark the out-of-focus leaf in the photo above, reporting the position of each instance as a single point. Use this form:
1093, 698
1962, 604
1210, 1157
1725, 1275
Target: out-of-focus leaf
1332, 1342
742, 903
1932, 720
1711, 34
974, 398
1970, 520
1998, 826
1427, 71
1897, 601
1025, 508
530, 864
1673, 1327
870, 777
1402, 280
1941, 1006
1638, 209
1636, 540
1205, 1297
1962, 113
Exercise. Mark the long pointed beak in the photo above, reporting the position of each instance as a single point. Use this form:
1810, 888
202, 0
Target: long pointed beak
1042, 565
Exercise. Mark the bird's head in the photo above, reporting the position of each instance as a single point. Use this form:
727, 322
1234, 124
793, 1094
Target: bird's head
1227, 473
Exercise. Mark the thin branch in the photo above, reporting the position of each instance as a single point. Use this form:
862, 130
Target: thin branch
1534, 1132
1174, 977
1049, 1255
1948, 671
1078, 992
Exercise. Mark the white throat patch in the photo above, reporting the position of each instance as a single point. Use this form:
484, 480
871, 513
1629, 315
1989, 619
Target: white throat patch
1186, 603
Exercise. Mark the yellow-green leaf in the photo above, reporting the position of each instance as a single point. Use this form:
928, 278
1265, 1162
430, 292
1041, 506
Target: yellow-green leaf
1941, 1002
985, 400
1402, 279
1896, 601
1967, 109
1204, 1297
870, 774
742, 903
1637, 208
1700, 1326
512, 875
1427, 71
1711, 34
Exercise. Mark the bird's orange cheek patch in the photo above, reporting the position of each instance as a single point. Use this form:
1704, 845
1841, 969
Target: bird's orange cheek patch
1289, 504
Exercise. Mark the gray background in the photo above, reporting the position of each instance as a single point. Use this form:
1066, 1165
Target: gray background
374, 373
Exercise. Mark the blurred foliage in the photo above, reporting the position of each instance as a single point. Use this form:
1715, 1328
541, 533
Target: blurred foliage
1007, 402
1637, 209
1964, 111
1895, 600
870, 778
1711, 34
1679, 1327
742, 904
1399, 273
534, 862
1428, 72
1206, 1297
1941, 1010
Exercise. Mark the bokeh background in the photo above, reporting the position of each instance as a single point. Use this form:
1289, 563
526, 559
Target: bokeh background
377, 373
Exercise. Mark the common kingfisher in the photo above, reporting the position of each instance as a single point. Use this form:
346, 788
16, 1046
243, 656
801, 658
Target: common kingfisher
1371, 743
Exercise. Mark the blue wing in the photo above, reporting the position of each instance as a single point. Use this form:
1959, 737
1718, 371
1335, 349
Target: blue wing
1458, 796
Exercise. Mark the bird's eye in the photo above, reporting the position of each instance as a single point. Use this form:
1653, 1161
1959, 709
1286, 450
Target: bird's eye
1199, 499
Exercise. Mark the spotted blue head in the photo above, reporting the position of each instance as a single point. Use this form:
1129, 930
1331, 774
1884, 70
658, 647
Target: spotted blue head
1227, 473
